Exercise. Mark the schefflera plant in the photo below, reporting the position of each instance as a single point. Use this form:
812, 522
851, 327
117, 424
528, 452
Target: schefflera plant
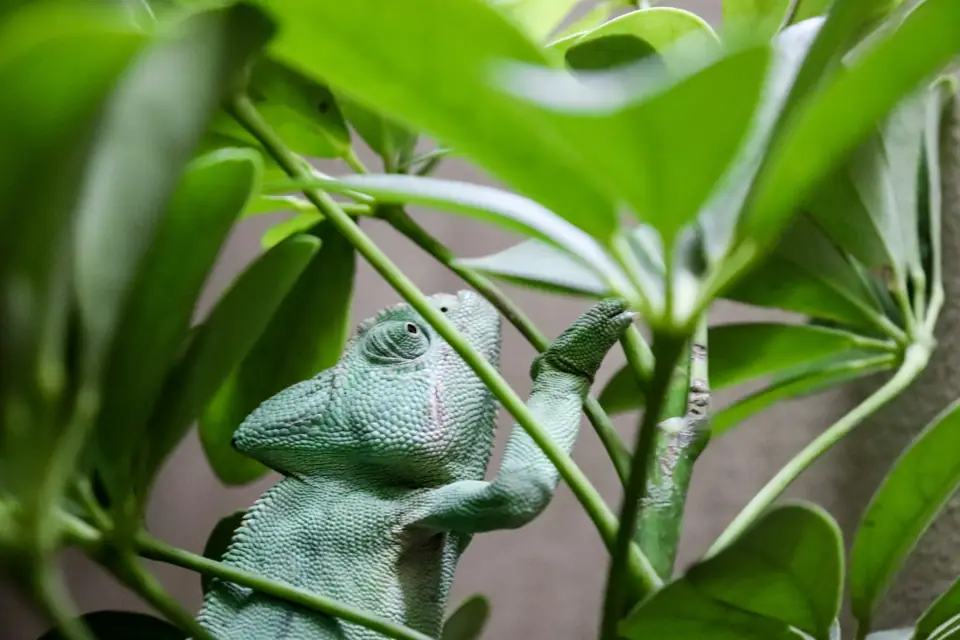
791, 161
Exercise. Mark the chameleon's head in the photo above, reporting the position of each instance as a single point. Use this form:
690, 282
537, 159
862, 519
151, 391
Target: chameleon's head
400, 403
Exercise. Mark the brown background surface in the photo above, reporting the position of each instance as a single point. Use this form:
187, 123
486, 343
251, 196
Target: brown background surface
545, 581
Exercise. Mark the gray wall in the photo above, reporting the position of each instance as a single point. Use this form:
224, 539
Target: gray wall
545, 580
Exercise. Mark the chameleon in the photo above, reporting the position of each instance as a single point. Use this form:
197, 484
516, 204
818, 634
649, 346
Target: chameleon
383, 458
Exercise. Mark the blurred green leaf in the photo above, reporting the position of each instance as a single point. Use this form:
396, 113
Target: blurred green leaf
418, 70
787, 567
222, 341
906, 504
680, 611
539, 18
123, 625
303, 112
218, 541
943, 610
305, 336
793, 385
673, 33
503, 208
807, 274
655, 145
156, 315
58, 63
807, 9
468, 620
136, 163
607, 52
743, 352
835, 119
592, 19
298, 224
274, 204
764, 17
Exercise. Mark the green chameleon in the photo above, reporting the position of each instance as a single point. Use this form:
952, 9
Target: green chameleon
383, 458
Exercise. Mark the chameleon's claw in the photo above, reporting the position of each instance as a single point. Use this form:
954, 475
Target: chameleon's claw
581, 348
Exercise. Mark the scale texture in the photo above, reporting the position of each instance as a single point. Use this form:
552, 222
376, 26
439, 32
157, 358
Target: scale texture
383, 458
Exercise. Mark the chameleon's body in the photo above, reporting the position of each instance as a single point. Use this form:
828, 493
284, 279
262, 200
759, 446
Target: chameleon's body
384, 457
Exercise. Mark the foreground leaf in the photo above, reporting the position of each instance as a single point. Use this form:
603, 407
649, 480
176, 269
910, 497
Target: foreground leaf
468, 620
742, 352
417, 69
761, 17
787, 567
123, 625
222, 342
156, 317
218, 541
304, 337
905, 505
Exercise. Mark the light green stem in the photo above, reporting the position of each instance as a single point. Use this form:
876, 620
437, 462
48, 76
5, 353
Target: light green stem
915, 359
639, 568
402, 222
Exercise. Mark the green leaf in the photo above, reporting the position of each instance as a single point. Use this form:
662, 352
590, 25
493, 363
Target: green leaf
223, 340
58, 63
419, 71
762, 17
539, 18
807, 274
218, 541
298, 224
743, 352
503, 208
942, 611
305, 336
156, 316
794, 385
607, 52
905, 505
274, 204
787, 567
536, 264
302, 111
672, 33
595, 17
826, 129
389, 140
680, 611
654, 144
939, 102
467, 622
134, 167
123, 625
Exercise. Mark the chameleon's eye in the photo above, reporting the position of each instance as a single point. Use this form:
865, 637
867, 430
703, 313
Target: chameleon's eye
394, 342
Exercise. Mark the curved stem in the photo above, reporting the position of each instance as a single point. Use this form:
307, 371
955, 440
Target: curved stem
246, 115
666, 351
128, 568
402, 222
57, 605
154, 549
914, 362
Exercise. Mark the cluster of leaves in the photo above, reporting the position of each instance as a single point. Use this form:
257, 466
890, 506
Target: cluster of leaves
747, 164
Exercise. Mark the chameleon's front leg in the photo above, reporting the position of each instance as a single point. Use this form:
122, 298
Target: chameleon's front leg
527, 479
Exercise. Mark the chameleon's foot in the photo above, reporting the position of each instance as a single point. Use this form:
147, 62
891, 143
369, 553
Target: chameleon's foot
581, 348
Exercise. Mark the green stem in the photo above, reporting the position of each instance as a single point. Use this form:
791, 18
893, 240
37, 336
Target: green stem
666, 351
130, 571
56, 603
153, 549
402, 222
246, 114
915, 359
681, 437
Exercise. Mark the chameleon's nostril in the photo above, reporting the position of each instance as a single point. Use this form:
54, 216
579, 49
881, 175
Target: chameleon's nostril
233, 442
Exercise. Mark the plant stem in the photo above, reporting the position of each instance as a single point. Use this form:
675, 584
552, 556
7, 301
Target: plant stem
666, 350
915, 360
402, 222
51, 595
246, 115
127, 568
681, 437
153, 549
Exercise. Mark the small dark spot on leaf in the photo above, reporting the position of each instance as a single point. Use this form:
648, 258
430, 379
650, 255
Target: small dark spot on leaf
323, 106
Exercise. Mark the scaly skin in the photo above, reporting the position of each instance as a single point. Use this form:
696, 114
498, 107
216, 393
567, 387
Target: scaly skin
384, 456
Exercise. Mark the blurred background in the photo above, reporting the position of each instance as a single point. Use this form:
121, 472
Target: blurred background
545, 581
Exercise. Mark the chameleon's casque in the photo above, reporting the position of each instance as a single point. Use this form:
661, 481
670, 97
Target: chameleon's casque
383, 458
